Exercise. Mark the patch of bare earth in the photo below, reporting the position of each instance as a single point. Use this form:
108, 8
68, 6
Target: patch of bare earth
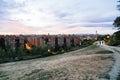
82, 64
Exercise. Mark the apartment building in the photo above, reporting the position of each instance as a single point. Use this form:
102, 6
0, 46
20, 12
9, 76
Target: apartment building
16, 41
54, 40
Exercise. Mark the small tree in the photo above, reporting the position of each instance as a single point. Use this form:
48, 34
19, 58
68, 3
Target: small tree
117, 22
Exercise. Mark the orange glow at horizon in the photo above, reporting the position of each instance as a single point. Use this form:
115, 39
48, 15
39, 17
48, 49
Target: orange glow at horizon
28, 46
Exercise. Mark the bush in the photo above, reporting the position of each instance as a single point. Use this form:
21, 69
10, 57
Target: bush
115, 39
2, 53
35, 51
87, 42
7, 55
41, 51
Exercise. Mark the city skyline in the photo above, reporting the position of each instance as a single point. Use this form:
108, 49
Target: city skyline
57, 17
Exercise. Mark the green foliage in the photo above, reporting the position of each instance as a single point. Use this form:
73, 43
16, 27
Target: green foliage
115, 39
36, 51
87, 42
100, 37
104, 52
45, 49
105, 76
117, 35
10, 54
117, 22
20, 53
2, 53
88, 78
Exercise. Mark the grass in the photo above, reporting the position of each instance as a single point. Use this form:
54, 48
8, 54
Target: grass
92, 47
3, 75
104, 52
88, 78
41, 74
105, 76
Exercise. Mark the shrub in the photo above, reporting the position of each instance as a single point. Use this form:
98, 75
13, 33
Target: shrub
35, 51
115, 39
2, 53
87, 42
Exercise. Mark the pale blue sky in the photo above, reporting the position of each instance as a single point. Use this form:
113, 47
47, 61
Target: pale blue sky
57, 16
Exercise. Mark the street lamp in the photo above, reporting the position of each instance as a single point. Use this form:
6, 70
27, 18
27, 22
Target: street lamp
108, 37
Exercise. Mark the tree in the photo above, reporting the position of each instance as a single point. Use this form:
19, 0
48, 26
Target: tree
115, 39
117, 20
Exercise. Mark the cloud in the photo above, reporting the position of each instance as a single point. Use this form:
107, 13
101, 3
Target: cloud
63, 16
14, 27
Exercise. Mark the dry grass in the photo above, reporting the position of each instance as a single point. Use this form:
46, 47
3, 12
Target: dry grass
81, 64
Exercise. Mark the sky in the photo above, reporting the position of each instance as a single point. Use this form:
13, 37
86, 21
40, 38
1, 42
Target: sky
57, 16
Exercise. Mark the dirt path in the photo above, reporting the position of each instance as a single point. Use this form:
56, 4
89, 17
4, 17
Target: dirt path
116, 67
82, 64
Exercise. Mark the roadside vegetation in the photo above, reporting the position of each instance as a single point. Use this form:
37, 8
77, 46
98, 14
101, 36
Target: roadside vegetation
104, 52
17, 54
115, 39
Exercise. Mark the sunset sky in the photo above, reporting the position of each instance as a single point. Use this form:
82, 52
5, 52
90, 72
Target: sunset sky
57, 16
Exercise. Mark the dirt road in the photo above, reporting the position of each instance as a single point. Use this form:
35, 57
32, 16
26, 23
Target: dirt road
92, 62
116, 68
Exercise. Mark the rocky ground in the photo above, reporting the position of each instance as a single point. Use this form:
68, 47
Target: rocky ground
90, 63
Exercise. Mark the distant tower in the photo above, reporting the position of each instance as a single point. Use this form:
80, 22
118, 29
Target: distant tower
96, 37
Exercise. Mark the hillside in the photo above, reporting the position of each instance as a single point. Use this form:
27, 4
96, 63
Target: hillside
92, 62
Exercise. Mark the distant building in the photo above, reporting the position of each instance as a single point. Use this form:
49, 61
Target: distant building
14, 42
